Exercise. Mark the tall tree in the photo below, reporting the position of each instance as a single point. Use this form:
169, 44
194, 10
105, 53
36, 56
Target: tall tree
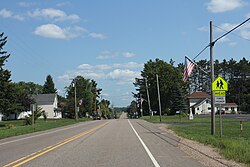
168, 79
132, 109
49, 86
23, 91
86, 90
6, 89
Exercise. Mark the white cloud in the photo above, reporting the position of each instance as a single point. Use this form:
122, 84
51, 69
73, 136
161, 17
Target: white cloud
224, 39
9, 14
85, 67
19, 17
105, 94
218, 6
245, 34
50, 31
129, 65
26, 4
5, 13
63, 3
54, 31
103, 67
121, 73
97, 35
232, 44
53, 14
123, 76
204, 28
243, 31
111, 54
227, 26
107, 55
128, 54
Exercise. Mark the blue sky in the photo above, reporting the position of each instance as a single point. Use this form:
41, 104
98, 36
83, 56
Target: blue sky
109, 41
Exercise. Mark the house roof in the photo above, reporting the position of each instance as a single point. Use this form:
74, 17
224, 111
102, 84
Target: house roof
230, 105
44, 99
198, 95
201, 101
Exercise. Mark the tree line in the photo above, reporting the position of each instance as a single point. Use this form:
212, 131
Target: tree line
173, 90
16, 97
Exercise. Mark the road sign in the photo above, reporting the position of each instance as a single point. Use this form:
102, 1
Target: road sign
219, 93
219, 84
220, 99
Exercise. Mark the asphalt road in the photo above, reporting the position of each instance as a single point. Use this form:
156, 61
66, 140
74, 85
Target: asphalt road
105, 143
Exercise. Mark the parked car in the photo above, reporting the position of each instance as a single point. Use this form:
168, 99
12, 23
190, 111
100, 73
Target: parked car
97, 117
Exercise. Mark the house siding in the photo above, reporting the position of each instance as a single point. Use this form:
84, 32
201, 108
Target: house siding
203, 108
1, 116
50, 110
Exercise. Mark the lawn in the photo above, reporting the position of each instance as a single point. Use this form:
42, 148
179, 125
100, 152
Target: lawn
233, 144
17, 127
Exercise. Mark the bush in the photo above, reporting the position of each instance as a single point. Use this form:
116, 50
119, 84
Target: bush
10, 126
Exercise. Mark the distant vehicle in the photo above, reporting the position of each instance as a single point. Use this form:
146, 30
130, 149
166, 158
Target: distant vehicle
96, 117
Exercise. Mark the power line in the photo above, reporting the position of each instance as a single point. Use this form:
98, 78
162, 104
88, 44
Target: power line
212, 43
232, 33
231, 30
201, 51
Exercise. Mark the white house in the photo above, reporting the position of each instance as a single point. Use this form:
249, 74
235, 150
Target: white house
200, 103
230, 108
1, 116
48, 103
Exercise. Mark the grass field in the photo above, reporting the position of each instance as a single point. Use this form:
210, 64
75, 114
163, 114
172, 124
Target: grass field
232, 145
17, 127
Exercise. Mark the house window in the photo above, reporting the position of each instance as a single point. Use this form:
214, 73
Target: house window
209, 108
226, 108
232, 108
198, 108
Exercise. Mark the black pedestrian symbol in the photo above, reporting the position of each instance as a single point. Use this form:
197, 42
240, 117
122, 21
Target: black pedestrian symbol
217, 84
221, 84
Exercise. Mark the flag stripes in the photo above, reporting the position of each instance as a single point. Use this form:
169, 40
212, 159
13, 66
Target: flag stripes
189, 65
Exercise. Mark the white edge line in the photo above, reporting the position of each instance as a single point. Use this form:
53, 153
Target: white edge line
145, 147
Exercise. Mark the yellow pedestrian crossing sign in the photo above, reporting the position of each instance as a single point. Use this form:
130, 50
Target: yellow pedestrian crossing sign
219, 84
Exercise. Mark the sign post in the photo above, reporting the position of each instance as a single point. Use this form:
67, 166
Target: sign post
219, 87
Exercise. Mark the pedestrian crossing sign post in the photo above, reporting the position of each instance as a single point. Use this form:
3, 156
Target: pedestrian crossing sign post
219, 84
219, 88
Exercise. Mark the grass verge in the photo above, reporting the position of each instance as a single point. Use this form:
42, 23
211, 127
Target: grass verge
17, 127
232, 145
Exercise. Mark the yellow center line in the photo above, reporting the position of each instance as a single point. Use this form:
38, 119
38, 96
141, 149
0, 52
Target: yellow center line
45, 150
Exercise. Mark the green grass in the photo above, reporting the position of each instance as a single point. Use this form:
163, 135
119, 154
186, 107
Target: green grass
232, 145
17, 127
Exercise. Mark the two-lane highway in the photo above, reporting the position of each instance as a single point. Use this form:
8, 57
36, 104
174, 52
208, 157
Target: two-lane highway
117, 143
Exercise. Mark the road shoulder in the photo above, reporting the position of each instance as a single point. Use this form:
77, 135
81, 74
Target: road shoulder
205, 154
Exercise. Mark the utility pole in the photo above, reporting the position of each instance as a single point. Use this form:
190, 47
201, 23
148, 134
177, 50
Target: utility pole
159, 96
141, 106
33, 107
76, 114
212, 79
149, 106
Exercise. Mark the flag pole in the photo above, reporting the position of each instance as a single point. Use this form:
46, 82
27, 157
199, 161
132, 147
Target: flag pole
196, 65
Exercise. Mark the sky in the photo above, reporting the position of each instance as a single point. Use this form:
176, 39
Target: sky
110, 41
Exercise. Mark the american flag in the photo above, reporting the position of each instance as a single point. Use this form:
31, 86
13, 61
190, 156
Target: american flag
80, 102
189, 65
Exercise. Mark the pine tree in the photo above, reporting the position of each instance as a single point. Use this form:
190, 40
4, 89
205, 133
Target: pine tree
6, 90
49, 86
